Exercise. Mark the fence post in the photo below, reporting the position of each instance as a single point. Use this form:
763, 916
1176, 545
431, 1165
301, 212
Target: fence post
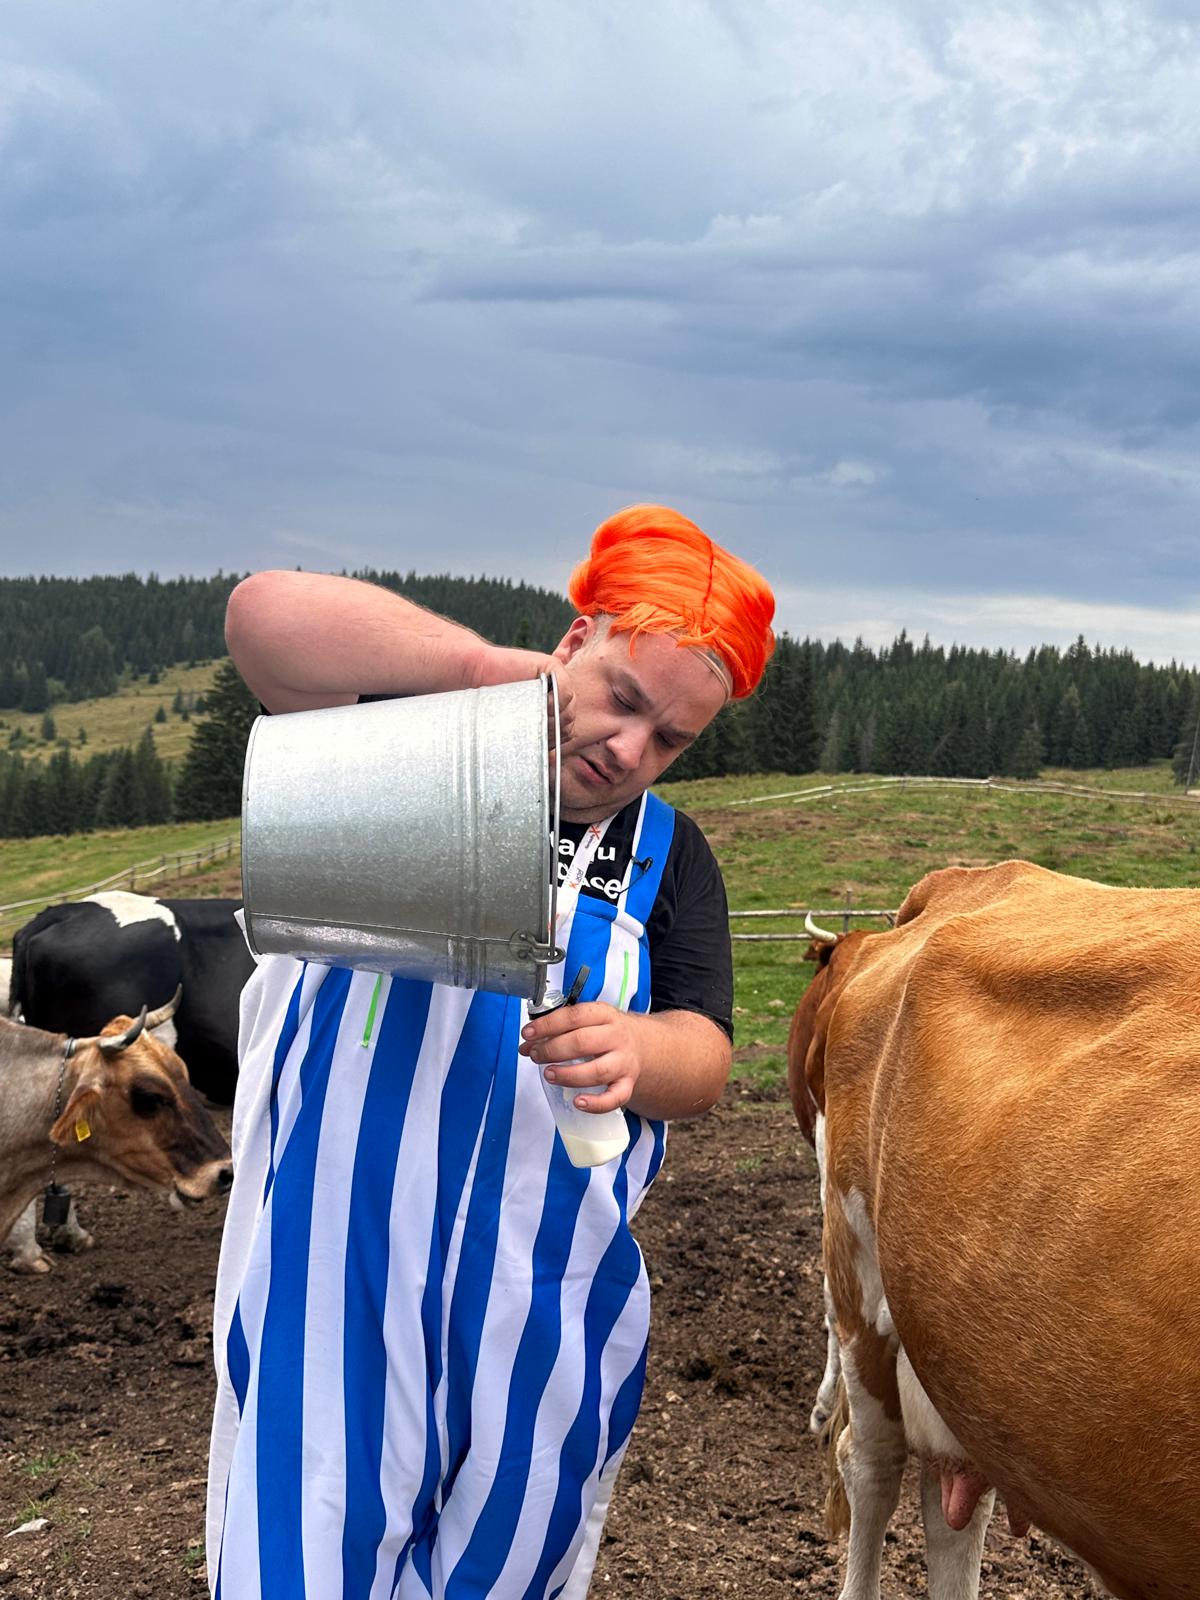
846, 912
132, 879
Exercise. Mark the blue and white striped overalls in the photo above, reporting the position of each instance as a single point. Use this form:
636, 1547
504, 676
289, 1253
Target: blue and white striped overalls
430, 1328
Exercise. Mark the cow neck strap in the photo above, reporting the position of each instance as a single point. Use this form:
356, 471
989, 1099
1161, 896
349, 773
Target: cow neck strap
68, 1052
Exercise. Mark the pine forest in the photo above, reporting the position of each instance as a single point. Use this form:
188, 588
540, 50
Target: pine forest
905, 709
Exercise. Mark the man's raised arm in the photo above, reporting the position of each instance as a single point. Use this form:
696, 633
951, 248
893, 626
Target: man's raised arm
303, 640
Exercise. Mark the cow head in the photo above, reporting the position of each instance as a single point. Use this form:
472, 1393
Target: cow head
834, 955
130, 1093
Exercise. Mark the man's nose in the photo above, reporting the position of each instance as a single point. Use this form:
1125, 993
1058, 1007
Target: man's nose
627, 746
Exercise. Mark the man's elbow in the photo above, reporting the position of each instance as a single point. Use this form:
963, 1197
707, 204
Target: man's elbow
715, 1059
249, 603
718, 1078
269, 636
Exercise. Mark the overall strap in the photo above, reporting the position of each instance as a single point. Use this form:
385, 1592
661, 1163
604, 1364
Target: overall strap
611, 945
651, 844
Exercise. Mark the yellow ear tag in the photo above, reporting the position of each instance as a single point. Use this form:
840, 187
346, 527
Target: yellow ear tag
82, 1131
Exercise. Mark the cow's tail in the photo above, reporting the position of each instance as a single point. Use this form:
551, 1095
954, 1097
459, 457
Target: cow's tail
837, 1506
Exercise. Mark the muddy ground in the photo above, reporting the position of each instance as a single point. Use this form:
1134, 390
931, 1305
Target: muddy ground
105, 1387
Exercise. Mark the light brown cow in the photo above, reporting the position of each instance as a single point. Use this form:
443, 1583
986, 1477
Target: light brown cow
1011, 1090
119, 1106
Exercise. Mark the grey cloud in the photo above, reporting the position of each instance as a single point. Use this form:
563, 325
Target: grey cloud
903, 289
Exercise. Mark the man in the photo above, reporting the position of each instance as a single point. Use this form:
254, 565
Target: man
430, 1327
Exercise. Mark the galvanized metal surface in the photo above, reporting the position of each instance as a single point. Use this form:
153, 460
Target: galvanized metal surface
406, 836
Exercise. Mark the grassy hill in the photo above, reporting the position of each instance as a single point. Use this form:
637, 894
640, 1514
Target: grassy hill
779, 846
872, 844
52, 869
117, 719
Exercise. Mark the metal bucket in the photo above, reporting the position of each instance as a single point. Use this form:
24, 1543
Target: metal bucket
412, 836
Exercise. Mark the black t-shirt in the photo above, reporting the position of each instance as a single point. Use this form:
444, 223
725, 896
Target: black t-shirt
691, 961
691, 958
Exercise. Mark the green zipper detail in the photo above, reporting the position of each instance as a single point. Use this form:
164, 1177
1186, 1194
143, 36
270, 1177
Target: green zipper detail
366, 1038
624, 984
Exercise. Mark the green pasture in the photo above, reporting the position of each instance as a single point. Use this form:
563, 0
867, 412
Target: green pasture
55, 867
869, 846
116, 719
792, 848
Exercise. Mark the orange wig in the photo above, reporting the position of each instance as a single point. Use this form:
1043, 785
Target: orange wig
653, 571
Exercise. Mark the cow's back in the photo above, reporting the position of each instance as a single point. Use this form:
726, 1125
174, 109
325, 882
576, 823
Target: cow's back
1031, 1137
74, 968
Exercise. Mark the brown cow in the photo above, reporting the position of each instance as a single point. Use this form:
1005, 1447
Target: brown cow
118, 1106
1012, 1117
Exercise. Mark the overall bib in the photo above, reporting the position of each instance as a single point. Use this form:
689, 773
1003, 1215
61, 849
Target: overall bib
430, 1329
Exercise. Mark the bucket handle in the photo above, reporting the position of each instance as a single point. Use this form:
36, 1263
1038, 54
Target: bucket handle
547, 954
552, 685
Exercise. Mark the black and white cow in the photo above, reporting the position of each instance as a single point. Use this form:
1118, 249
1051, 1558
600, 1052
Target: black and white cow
77, 965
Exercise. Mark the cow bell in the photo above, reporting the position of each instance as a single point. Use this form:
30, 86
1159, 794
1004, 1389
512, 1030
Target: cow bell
56, 1204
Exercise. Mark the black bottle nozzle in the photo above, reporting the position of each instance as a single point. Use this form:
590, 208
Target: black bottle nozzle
554, 999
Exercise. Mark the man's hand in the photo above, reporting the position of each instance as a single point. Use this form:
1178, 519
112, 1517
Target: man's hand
566, 706
663, 1064
502, 664
593, 1029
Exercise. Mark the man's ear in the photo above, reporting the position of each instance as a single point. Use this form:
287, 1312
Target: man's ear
573, 641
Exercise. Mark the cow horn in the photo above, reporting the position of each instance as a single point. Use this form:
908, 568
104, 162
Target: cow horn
823, 934
165, 1013
110, 1047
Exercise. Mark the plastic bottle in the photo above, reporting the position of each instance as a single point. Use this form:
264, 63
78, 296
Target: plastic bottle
590, 1137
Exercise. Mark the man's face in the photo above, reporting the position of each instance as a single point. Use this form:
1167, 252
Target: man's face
633, 714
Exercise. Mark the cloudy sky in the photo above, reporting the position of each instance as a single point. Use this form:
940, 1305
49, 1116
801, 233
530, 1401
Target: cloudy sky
899, 299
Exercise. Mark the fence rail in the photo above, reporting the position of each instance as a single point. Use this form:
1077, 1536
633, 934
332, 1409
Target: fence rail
846, 912
137, 873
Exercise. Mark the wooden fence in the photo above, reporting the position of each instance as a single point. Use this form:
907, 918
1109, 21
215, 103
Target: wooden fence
138, 875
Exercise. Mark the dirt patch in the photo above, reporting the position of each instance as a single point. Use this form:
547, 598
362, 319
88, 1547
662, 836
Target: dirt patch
105, 1389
